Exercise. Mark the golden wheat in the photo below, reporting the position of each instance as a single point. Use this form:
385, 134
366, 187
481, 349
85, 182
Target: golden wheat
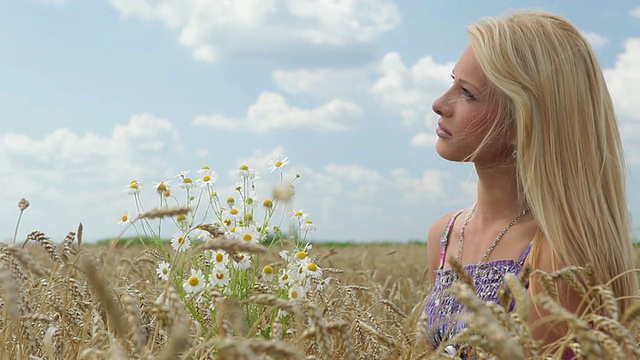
73, 301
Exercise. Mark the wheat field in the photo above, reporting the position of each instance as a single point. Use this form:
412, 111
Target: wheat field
71, 300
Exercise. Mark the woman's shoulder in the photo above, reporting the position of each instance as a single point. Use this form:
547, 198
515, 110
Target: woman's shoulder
438, 226
435, 234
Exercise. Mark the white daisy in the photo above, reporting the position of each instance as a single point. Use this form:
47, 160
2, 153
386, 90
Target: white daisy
203, 235
285, 255
219, 258
195, 282
267, 273
299, 214
301, 256
278, 162
321, 284
219, 277
281, 314
207, 179
311, 269
205, 171
243, 171
125, 219
187, 183
251, 201
133, 188
243, 261
180, 242
162, 187
297, 293
231, 233
308, 225
248, 234
232, 214
284, 279
163, 270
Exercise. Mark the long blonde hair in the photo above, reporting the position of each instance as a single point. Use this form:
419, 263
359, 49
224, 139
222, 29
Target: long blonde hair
570, 162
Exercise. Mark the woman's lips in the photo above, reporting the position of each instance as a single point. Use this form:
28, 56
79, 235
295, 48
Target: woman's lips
442, 132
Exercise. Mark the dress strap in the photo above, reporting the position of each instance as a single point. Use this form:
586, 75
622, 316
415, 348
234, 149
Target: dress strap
525, 253
444, 239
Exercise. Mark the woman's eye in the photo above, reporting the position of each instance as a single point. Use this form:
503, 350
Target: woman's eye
468, 94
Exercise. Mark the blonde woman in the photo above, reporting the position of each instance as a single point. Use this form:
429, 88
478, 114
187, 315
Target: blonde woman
529, 107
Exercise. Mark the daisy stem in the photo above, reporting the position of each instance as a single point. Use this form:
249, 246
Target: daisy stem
15, 233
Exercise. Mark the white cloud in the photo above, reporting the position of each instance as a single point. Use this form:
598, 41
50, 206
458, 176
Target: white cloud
424, 189
424, 139
350, 201
71, 178
636, 12
217, 28
623, 81
596, 40
272, 112
326, 83
411, 90
261, 160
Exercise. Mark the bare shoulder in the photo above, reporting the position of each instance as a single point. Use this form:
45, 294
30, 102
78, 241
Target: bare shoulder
433, 243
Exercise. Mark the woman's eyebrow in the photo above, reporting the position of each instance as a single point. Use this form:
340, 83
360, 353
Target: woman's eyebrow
453, 75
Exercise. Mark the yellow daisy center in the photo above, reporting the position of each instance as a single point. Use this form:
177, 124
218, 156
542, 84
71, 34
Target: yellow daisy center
165, 271
180, 240
278, 163
167, 193
244, 167
194, 281
312, 267
227, 222
206, 168
285, 277
308, 222
298, 213
247, 237
181, 217
267, 203
219, 257
233, 211
302, 255
268, 270
162, 187
294, 294
125, 218
134, 185
187, 180
220, 276
206, 178
134, 181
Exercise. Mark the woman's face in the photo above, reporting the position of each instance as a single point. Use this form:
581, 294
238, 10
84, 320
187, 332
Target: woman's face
466, 115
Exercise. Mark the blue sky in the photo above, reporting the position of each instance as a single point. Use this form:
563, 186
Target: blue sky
96, 93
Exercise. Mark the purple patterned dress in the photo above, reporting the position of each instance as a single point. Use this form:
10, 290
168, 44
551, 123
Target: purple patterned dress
443, 309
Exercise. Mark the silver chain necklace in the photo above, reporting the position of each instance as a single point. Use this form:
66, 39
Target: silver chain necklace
495, 242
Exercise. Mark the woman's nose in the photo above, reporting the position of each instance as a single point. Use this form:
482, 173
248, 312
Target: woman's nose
439, 106
436, 107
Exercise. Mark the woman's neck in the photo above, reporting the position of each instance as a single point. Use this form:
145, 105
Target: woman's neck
497, 196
